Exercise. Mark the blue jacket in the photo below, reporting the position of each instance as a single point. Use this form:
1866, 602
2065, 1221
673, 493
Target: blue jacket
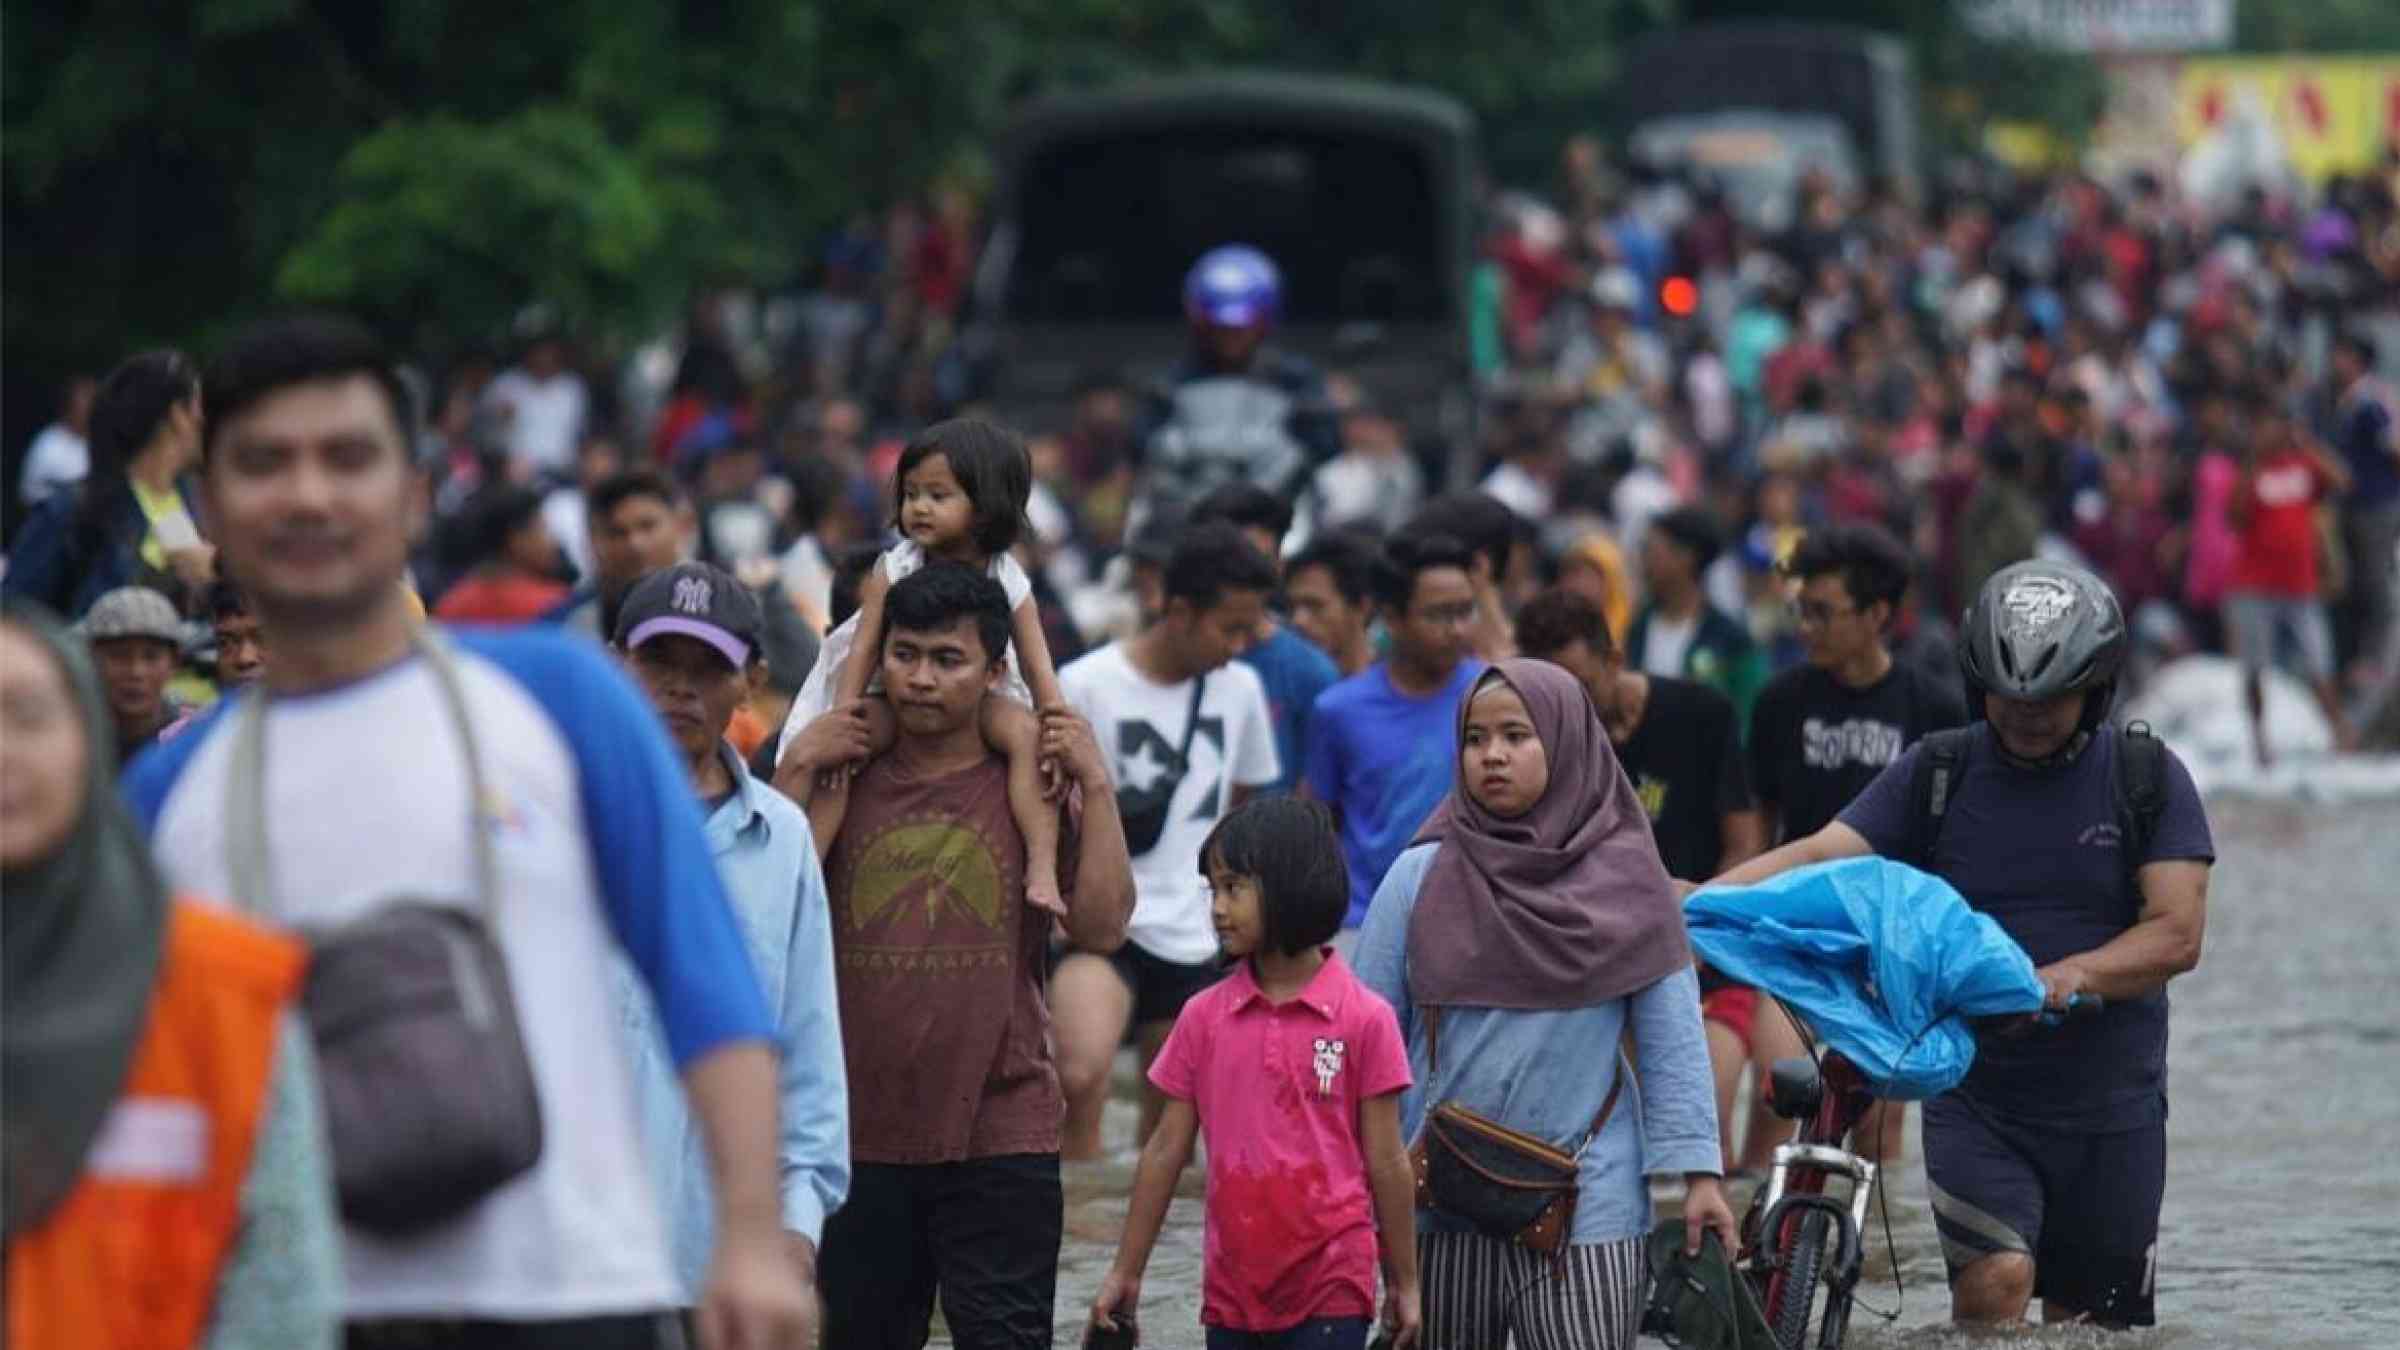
47, 563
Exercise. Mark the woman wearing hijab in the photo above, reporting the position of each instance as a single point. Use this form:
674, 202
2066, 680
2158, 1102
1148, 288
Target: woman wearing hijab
1527, 928
163, 1181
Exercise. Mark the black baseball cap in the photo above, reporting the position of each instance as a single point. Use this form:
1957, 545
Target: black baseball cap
693, 600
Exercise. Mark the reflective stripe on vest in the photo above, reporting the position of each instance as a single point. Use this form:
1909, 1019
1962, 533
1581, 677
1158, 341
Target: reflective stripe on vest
131, 1257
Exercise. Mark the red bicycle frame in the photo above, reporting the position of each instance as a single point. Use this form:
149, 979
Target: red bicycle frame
1803, 1166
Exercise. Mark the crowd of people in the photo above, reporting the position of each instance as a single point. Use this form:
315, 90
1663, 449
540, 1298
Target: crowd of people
2055, 366
832, 781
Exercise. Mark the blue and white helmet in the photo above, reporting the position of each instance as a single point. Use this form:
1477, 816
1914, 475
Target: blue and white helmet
1233, 286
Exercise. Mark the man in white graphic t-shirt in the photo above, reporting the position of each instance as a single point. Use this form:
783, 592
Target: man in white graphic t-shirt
1188, 735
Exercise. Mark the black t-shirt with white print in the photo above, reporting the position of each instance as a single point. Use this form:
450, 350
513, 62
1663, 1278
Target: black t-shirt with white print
1685, 764
1815, 743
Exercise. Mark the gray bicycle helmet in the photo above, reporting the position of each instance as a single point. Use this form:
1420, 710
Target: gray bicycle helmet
2041, 629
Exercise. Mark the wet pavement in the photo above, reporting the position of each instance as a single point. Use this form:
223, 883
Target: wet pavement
2282, 1223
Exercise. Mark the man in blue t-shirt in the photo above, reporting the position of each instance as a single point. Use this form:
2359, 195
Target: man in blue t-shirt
1383, 744
1289, 665
2048, 1164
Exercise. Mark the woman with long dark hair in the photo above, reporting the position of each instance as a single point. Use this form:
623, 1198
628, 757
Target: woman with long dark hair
131, 523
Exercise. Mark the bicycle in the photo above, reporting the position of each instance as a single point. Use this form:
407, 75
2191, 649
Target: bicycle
1797, 1238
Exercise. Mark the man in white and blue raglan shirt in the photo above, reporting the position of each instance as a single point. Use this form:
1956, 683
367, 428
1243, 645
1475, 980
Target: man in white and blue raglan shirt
692, 635
597, 845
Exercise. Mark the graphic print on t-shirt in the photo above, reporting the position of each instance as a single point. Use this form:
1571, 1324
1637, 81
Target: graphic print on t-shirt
1816, 743
934, 890
1149, 771
1652, 792
1328, 1063
1684, 762
1169, 801
2286, 485
1863, 741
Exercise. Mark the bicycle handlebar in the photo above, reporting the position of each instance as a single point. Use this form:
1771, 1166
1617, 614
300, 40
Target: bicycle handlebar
2079, 1007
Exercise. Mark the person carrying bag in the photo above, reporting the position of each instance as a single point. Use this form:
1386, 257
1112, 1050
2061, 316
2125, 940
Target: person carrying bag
429, 1097
1528, 928
1145, 810
1510, 1185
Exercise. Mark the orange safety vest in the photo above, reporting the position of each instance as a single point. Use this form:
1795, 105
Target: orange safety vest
130, 1259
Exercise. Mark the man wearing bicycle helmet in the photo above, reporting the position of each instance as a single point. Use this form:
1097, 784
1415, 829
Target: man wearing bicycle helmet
2089, 845
1236, 409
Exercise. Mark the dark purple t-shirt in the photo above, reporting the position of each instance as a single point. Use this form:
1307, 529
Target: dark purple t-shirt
2038, 851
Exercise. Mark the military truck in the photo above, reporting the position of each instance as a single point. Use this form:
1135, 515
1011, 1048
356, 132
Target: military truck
1361, 193
1757, 105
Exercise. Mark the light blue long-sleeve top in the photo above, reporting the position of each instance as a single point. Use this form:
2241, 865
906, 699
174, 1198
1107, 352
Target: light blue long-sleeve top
767, 861
1547, 1072
282, 1282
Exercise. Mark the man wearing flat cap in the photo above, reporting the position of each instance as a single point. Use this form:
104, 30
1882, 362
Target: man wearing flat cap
137, 642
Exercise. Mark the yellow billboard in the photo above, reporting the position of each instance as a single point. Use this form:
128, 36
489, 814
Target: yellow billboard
2332, 114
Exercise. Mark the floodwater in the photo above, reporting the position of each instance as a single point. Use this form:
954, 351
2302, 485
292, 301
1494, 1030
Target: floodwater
2282, 1223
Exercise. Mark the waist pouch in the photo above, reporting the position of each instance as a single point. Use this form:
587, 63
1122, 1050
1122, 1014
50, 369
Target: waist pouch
1508, 1184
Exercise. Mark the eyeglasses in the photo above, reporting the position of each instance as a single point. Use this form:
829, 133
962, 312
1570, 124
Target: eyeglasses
1813, 614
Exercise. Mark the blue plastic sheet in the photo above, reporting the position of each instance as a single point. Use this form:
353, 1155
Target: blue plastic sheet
1884, 962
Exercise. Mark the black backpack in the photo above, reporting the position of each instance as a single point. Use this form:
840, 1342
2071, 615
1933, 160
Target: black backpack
2139, 782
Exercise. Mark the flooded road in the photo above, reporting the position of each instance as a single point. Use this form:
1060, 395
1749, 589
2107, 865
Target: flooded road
2282, 1223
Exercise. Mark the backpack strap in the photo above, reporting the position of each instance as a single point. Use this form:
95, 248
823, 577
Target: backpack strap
2140, 792
1932, 785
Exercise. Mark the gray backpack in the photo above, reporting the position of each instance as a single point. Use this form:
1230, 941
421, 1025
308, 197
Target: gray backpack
429, 1098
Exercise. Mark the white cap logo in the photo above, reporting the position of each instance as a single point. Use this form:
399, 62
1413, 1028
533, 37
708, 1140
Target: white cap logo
692, 595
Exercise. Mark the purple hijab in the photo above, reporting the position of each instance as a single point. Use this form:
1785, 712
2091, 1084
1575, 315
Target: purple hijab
1565, 906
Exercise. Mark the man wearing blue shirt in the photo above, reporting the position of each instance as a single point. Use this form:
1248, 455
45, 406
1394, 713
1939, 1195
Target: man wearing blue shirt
1382, 744
374, 737
1291, 667
2047, 1166
692, 635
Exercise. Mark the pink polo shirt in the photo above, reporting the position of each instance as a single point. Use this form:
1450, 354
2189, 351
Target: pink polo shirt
1278, 1088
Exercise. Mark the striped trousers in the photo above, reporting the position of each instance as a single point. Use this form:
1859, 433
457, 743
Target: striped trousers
1480, 1293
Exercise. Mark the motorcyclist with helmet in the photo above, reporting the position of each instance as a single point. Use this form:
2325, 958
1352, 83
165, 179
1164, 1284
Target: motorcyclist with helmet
2048, 1164
1236, 409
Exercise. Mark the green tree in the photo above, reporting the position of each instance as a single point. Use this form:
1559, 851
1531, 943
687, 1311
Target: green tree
2353, 26
436, 164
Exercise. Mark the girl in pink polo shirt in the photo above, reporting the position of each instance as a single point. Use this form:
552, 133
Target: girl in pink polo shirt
1294, 1070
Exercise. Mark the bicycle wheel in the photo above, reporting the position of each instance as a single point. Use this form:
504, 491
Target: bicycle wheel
1803, 1269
